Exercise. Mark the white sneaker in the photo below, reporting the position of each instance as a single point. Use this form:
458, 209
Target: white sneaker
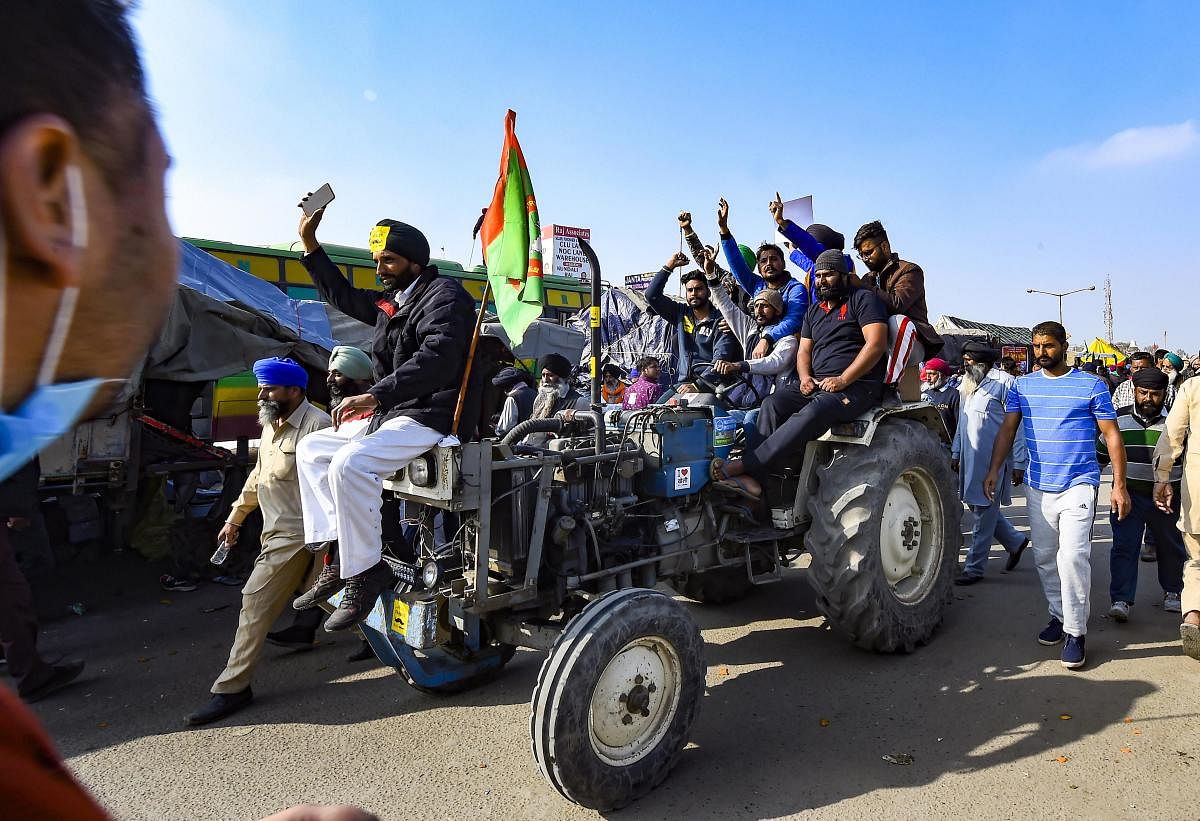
1172, 604
1120, 611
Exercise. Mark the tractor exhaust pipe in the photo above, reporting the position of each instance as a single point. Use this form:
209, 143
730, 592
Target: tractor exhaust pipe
594, 313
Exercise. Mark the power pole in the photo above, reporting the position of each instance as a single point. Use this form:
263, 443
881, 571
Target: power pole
1108, 311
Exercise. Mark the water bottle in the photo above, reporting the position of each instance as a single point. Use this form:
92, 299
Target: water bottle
724, 432
221, 554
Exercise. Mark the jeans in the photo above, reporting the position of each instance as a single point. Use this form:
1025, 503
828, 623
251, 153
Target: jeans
1123, 562
990, 525
1060, 525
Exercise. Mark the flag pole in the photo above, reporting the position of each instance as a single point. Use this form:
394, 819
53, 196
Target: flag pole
462, 390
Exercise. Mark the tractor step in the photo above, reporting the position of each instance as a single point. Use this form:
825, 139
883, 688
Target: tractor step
757, 535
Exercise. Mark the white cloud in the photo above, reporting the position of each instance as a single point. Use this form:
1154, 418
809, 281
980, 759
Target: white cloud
1129, 148
370, 95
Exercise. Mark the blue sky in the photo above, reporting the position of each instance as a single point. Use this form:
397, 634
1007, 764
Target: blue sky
1005, 146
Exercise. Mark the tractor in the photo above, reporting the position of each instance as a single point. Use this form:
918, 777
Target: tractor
561, 536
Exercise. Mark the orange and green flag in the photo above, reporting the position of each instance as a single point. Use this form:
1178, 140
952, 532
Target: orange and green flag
512, 241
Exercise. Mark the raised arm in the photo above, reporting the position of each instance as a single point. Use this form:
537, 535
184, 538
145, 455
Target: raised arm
750, 282
360, 303
662, 304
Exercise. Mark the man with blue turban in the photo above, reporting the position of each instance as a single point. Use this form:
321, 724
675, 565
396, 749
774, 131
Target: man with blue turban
283, 565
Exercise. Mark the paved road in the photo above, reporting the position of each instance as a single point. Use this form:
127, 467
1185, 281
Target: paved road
794, 720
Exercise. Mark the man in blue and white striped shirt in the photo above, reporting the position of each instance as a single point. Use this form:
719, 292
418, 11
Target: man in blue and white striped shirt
1059, 408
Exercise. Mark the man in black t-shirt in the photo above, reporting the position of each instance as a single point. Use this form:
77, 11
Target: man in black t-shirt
840, 364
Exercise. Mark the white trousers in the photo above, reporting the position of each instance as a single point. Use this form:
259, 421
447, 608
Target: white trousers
1060, 527
341, 484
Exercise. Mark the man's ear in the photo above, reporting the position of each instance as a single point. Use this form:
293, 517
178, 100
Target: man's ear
35, 155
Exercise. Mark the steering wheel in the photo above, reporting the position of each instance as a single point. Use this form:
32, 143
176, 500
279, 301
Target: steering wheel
721, 391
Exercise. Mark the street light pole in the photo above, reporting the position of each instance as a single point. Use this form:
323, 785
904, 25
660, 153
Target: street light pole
1059, 295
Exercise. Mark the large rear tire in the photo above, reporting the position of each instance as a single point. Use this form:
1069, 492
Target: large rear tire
616, 698
884, 538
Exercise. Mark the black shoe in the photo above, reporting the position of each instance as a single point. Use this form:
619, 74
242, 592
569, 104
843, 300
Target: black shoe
362, 591
220, 706
320, 547
1013, 558
964, 579
363, 653
294, 638
60, 676
328, 582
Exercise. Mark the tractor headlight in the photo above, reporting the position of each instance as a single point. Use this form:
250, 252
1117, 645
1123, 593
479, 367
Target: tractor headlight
421, 471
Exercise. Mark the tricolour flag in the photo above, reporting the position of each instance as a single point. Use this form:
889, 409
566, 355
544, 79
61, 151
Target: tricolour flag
512, 241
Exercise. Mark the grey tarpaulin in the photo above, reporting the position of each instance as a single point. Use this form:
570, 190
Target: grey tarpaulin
542, 338
222, 319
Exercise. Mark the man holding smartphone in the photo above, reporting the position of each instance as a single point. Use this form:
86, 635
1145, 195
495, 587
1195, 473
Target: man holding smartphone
423, 326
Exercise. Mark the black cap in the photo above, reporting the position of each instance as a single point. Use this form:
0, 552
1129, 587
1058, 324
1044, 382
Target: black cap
831, 260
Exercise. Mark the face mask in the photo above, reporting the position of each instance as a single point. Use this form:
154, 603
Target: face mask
51, 410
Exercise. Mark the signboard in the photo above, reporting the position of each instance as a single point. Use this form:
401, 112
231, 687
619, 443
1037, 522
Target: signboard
638, 282
799, 211
1020, 355
563, 256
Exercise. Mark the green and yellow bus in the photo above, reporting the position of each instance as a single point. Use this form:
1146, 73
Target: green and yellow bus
234, 409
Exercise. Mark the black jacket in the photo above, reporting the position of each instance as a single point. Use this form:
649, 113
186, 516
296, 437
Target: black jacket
419, 349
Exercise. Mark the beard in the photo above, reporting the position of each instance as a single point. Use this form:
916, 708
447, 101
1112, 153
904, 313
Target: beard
933, 384
833, 293
973, 376
269, 412
543, 403
1149, 410
1047, 362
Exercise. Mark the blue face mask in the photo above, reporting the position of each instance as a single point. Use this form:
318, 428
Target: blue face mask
51, 410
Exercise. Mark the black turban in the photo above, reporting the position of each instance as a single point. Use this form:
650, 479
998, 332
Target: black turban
1150, 378
400, 238
557, 364
980, 352
831, 260
827, 236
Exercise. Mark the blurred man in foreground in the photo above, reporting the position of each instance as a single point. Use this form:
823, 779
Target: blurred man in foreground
87, 265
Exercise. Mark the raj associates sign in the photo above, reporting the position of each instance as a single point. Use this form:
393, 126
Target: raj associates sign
563, 256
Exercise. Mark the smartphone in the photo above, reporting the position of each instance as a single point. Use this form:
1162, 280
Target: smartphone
317, 200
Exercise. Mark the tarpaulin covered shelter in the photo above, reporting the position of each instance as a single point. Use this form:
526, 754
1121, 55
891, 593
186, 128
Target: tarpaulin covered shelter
628, 331
223, 319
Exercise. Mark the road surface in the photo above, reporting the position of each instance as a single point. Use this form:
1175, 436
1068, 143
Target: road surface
794, 720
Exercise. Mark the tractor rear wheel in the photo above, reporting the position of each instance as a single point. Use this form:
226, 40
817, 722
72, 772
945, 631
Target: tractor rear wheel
884, 538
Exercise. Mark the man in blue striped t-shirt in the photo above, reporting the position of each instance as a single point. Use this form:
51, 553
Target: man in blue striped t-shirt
1058, 408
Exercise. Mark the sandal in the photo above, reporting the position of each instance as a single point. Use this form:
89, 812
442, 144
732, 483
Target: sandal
716, 470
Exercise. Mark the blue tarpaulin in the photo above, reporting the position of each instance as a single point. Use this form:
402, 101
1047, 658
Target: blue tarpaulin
219, 280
